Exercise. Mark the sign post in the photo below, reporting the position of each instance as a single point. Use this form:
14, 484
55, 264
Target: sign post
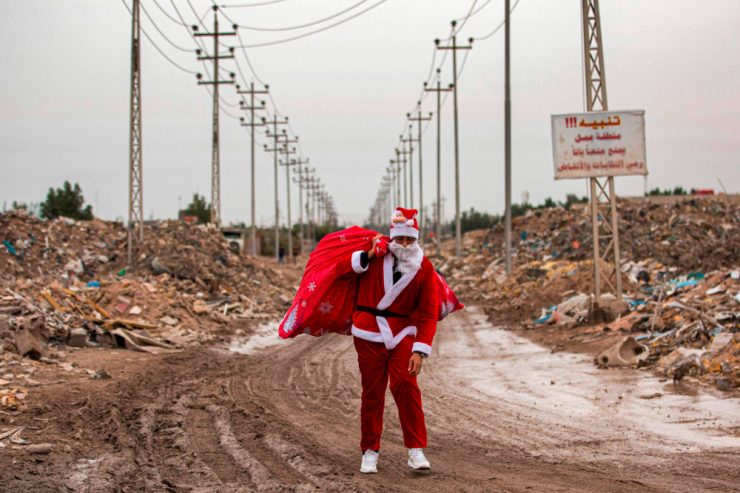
598, 145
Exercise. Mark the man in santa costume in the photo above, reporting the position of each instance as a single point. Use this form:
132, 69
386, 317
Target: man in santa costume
393, 327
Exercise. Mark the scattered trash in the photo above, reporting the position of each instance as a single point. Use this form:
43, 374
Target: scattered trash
12, 398
10, 248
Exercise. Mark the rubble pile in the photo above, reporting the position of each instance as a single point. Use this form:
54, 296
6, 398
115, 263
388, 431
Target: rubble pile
67, 281
693, 233
680, 277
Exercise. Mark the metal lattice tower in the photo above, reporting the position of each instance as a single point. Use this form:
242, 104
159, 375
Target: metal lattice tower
604, 220
135, 186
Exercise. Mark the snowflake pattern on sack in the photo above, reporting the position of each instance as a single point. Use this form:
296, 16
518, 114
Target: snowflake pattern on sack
326, 307
311, 286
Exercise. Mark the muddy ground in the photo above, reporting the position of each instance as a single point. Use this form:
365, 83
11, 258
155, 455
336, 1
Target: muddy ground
503, 415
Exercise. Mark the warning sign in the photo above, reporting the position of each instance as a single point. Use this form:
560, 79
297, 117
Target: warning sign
609, 143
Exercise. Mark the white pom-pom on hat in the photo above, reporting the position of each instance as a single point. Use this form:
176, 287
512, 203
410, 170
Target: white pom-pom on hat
410, 222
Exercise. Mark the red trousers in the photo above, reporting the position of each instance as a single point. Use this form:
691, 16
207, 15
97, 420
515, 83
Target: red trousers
378, 365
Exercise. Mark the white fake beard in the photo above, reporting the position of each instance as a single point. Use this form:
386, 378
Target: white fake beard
409, 258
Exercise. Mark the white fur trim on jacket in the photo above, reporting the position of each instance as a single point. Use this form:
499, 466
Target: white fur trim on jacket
403, 229
356, 265
389, 342
421, 348
392, 291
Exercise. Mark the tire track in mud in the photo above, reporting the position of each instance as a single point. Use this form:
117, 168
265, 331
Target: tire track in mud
286, 419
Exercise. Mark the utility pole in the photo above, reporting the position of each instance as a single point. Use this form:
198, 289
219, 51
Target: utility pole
410, 152
252, 124
418, 119
275, 122
507, 135
287, 152
216, 82
604, 220
305, 179
396, 167
404, 152
438, 90
454, 47
299, 181
135, 177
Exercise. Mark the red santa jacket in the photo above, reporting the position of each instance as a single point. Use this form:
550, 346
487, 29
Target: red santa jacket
413, 298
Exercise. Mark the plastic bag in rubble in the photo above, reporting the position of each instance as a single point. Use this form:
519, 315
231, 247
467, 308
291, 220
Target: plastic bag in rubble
576, 307
325, 300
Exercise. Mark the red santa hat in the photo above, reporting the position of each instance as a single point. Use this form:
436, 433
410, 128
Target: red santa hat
404, 223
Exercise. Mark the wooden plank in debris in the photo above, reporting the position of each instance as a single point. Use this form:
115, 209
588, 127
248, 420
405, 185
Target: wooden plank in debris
133, 324
50, 299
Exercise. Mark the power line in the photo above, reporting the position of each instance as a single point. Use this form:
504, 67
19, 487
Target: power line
157, 47
467, 16
260, 4
499, 26
311, 33
175, 45
308, 24
472, 13
246, 57
180, 22
186, 26
195, 13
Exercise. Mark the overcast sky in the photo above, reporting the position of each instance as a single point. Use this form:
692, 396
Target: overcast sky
64, 98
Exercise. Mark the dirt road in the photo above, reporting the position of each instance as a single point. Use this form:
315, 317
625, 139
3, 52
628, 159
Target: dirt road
503, 415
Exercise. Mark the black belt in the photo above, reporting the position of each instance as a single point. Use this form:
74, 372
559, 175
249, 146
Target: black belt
379, 313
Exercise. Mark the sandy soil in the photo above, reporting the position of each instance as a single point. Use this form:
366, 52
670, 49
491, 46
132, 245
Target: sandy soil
503, 414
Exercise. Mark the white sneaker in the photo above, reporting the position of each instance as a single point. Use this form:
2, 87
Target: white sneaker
417, 460
369, 462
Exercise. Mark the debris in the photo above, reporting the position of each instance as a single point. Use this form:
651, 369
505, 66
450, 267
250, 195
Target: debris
200, 307
40, 448
136, 341
28, 345
720, 341
77, 337
12, 398
15, 436
99, 374
626, 352
74, 266
680, 363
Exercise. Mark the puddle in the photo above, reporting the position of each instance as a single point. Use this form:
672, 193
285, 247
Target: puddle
566, 389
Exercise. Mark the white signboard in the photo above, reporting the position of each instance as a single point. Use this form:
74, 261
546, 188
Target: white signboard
608, 143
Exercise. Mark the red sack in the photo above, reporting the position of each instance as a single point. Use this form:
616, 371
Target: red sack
448, 302
325, 300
